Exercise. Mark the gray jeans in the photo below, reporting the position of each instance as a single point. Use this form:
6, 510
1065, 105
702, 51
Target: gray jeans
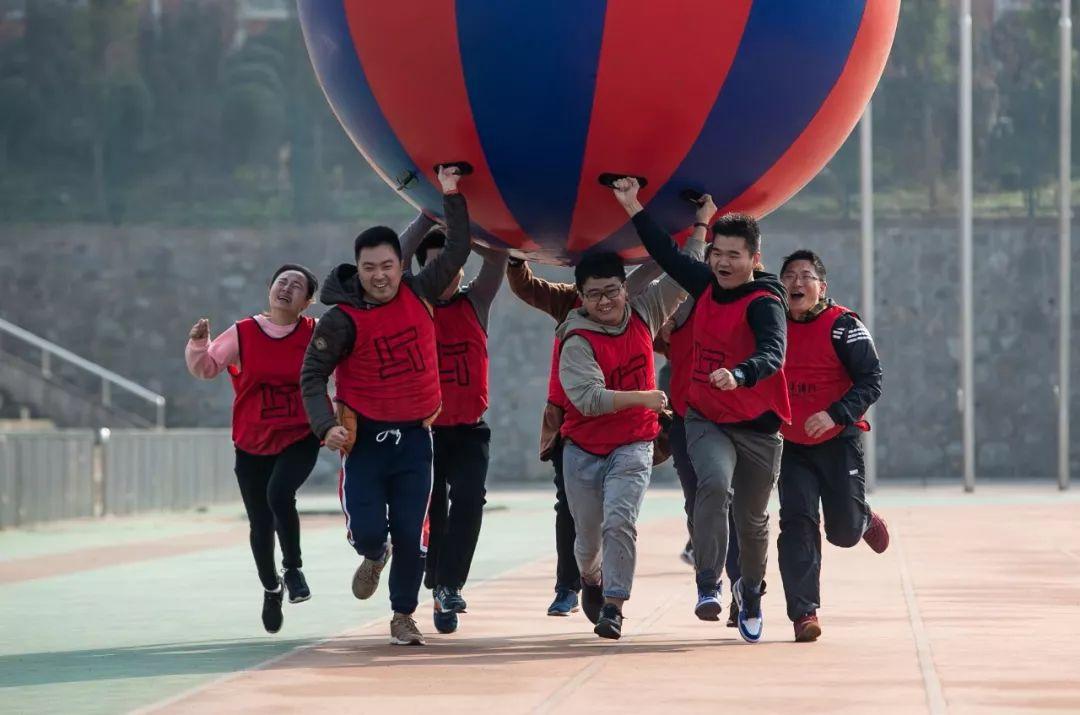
736, 469
605, 495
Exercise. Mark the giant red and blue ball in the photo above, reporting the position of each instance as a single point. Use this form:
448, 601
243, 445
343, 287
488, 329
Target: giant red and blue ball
744, 99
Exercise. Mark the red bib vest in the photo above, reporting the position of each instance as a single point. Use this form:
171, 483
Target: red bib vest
723, 339
268, 412
627, 363
556, 395
463, 363
392, 374
815, 376
680, 356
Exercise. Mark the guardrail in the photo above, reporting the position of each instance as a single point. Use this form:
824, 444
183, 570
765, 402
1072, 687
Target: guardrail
109, 379
174, 469
45, 476
64, 474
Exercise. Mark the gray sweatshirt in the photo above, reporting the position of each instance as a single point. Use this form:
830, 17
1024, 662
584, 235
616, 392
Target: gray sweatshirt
580, 374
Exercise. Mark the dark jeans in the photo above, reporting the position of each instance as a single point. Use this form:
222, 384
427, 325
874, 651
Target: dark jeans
457, 502
268, 485
385, 490
688, 480
833, 475
566, 568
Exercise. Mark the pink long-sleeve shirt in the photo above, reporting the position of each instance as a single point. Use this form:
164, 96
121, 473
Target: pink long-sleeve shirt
207, 359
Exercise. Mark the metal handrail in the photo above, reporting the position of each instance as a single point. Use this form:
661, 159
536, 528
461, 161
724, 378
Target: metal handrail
108, 377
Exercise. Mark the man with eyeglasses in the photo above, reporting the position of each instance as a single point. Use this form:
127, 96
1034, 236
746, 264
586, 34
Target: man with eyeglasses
834, 376
557, 300
736, 402
606, 371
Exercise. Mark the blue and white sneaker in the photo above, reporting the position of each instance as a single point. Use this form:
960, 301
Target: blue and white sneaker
708, 604
751, 619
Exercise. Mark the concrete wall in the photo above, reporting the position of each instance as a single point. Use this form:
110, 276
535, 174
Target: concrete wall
125, 297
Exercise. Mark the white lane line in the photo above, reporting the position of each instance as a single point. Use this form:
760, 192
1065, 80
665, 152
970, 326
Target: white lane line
935, 698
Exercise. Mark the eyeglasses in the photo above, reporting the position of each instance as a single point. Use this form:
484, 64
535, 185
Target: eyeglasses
804, 277
611, 293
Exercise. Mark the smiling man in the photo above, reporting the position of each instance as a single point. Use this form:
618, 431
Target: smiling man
834, 376
379, 341
736, 402
606, 371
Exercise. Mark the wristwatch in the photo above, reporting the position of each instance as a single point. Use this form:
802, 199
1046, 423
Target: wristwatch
739, 375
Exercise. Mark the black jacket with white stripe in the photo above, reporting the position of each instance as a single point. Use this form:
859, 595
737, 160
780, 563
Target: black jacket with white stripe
855, 349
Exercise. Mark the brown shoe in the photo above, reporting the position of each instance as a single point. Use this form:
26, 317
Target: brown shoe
403, 631
807, 628
366, 578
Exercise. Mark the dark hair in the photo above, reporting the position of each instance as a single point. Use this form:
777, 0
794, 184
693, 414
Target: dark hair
740, 225
434, 238
599, 265
805, 255
377, 236
312, 281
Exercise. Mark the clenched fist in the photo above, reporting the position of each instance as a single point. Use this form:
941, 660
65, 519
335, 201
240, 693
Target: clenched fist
818, 424
336, 437
200, 330
655, 400
722, 379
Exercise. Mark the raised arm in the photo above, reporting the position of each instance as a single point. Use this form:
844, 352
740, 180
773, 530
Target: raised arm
555, 299
692, 275
642, 277
662, 298
437, 273
412, 236
485, 286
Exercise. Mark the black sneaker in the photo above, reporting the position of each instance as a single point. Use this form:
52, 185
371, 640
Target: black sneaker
592, 600
449, 600
445, 621
610, 623
271, 613
296, 585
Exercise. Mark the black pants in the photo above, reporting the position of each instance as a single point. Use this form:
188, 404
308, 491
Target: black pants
457, 502
688, 481
268, 485
566, 568
832, 474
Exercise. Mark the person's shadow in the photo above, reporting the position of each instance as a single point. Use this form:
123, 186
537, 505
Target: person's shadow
226, 656
206, 657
